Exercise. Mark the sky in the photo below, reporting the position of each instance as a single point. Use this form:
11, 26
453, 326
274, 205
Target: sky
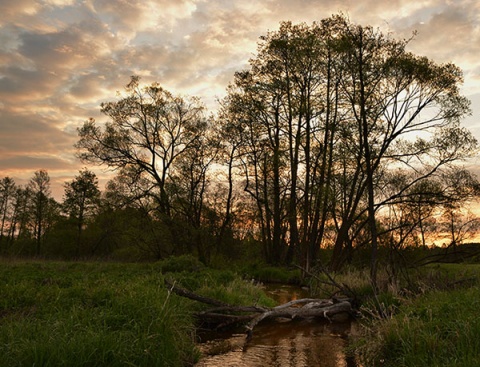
60, 59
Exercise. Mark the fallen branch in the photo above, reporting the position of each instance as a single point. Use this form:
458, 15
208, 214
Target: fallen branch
345, 289
187, 294
224, 314
319, 309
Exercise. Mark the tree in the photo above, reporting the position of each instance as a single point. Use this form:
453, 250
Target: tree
460, 187
228, 194
81, 200
388, 92
327, 112
39, 186
21, 213
148, 130
128, 225
7, 196
188, 189
285, 107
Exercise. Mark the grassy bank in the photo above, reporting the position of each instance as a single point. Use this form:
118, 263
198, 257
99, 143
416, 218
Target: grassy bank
103, 314
439, 326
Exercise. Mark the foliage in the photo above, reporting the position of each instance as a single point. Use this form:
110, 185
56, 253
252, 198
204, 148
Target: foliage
270, 274
183, 263
148, 131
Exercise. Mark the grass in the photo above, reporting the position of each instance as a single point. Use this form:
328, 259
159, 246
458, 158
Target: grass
104, 314
438, 327
60, 314
271, 274
107, 314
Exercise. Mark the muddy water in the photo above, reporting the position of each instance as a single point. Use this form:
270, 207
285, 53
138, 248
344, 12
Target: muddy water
302, 343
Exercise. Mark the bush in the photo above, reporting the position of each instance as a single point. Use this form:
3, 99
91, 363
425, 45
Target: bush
271, 274
177, 264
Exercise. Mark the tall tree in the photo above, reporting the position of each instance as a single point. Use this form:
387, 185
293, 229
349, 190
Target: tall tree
39, 186
327, 111
285, 105
148, 130
7, 196
188, 188
21, 214
229, 138
389, 91
81, 199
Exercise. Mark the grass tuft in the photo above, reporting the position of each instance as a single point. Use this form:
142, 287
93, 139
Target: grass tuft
438, 327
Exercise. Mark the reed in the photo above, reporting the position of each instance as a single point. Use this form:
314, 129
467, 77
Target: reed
439, 326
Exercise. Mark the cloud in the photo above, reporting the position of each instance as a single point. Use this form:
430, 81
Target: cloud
15, 11
447, 33
59, 59
32, 134
32, 164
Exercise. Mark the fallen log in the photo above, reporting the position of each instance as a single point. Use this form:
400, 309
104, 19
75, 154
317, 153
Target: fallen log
325, 309
332, 310
185, 293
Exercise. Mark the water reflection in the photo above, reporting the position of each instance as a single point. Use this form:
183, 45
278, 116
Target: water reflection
283, 293
297, 343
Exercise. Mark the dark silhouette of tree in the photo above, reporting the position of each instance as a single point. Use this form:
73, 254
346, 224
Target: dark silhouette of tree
285, 107
21, 214
81, 200
388, 92
7, 200
42, 207
326, 111
460, 187
148, 130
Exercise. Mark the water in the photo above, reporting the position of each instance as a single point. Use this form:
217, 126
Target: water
297, 343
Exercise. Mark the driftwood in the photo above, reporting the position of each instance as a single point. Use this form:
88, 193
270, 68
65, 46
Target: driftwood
333, 310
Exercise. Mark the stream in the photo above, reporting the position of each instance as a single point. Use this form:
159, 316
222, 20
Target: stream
297, 343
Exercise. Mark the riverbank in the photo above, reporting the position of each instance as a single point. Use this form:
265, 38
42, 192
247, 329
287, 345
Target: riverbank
437, 326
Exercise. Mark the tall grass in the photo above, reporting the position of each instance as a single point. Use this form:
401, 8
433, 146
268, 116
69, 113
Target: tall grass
54, 314
107, 314
438, 327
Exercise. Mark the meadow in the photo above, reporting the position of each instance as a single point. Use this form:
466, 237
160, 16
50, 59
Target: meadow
118, 314
106, 314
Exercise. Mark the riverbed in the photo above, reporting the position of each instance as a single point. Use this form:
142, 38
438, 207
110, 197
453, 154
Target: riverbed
295, 343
